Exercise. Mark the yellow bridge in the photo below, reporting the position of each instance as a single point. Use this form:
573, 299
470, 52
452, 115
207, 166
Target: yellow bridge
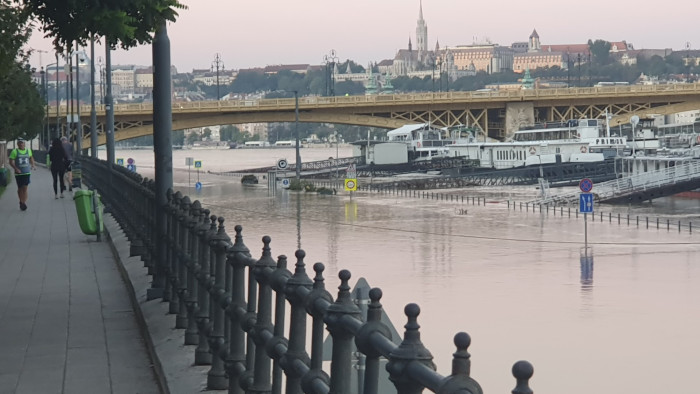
498, 113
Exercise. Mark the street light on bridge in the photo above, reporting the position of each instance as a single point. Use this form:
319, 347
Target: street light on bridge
331, 59
217, 64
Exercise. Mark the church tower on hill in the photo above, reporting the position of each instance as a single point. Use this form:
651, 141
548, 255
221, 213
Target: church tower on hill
421, 33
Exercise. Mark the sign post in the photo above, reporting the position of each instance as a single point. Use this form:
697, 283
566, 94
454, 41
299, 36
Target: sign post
585, 206
198, 165
188, 163
351, 179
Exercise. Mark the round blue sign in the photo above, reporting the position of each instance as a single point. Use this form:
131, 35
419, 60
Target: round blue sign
586, 185
130, 161
198, 185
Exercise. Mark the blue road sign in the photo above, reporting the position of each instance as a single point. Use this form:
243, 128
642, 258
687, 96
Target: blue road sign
130, 161
197, 164
585, 203
120, 161
586, 185
198, 185
131, 167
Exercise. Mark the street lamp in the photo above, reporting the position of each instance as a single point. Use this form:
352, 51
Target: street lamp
297, 165
330, 61
337, 140
58, 102
217, 64
634, 119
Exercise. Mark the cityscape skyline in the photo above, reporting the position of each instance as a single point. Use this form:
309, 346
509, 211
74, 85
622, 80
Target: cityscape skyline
245, 42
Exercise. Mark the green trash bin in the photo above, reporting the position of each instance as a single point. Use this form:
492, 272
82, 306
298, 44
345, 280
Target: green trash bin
85, 203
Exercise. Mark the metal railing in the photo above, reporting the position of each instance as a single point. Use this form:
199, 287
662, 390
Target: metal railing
224, 299
683, 171
307, 102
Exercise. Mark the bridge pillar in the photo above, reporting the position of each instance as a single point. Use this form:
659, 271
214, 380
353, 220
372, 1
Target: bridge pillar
162, 148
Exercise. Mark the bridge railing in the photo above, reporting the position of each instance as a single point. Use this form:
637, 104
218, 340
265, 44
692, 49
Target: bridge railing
399, 99
233, 306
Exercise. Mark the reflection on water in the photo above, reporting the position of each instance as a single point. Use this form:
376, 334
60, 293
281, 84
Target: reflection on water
515, 280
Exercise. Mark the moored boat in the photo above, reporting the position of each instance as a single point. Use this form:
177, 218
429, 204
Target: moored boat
577, 140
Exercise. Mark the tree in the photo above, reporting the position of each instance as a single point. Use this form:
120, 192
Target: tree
21, 107
600, 50
127, 23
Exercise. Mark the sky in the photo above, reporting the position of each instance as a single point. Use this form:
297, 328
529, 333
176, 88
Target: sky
271, 32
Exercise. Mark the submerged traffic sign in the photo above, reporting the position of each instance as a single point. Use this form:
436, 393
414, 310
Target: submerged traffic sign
585, 203
586, 185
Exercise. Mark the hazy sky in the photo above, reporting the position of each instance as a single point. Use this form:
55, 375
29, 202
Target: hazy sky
270, 32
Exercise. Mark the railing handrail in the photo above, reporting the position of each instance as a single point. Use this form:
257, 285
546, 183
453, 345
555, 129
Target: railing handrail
683, 170
237, 333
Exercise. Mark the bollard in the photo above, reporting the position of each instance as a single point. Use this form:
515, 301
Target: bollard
679, 226
668, 225
647, 221
610, 217
690, 227
618, 218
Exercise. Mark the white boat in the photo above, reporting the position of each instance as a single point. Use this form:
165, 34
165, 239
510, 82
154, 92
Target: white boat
577, 140
424, 141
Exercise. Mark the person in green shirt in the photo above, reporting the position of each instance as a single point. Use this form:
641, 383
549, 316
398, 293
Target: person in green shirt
22, 161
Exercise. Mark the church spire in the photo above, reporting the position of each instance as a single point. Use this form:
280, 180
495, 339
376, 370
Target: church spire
421, 32
410, 47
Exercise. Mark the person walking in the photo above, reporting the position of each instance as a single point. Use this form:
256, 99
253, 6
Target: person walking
68, 149
22, 161
58, 166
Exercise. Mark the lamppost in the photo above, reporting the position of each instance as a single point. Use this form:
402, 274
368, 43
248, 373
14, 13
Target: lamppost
217, 64
297, 165
337, 141
634, 119
579, 70
330, 61
58, 103
42, 139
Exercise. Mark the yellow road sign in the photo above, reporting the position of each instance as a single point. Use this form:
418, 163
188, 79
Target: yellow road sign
350, 185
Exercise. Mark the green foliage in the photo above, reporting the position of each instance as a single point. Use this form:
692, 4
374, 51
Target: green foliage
600, 50
21, 106
178, 137
231, 133
299, 185
124, 22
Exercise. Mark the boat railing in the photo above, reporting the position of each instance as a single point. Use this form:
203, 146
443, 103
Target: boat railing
683, 171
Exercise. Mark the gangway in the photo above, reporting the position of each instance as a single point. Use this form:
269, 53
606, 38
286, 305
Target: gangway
684, 176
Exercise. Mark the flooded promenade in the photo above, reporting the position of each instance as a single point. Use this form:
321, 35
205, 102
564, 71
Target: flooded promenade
512, 279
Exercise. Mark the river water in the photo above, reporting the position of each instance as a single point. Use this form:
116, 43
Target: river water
512, 279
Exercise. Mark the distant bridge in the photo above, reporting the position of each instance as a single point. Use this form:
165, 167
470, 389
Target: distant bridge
499, 113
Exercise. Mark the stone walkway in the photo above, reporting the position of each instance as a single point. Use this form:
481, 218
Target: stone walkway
66, 319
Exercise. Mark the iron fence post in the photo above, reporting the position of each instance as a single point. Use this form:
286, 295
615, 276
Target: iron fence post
410, 350
193, 222
216, 377
173, 306
297, 324
183, 254
238, 254
202, 355
342, 338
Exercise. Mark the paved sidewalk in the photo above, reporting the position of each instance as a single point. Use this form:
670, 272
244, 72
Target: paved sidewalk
66, 320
